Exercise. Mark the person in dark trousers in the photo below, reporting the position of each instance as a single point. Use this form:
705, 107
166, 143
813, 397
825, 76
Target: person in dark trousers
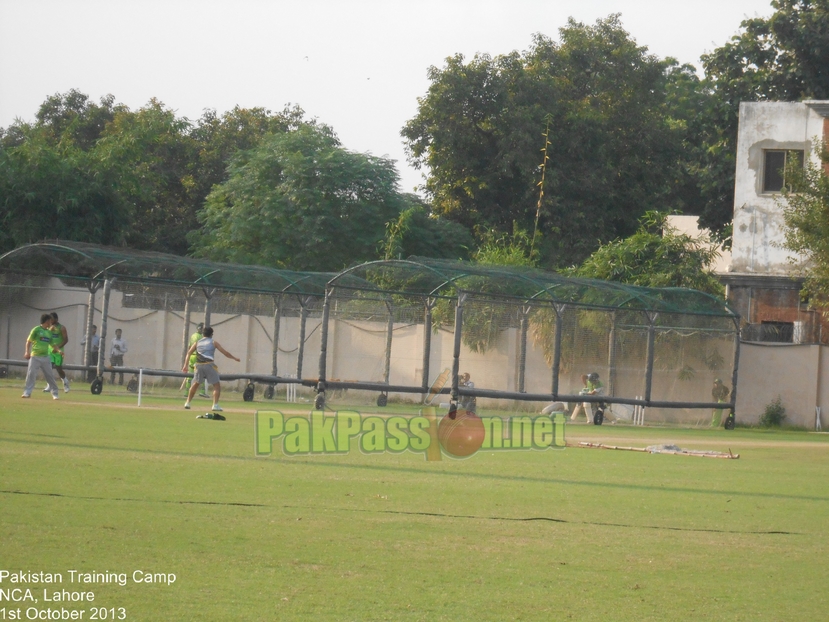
116, 355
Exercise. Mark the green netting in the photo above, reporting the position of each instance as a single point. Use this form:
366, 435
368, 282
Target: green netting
389, 326
442, 278
75, 262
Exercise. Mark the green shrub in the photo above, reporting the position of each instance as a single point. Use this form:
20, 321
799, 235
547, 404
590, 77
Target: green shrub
774, 414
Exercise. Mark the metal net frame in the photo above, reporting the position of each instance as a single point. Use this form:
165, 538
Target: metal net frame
531, 336
406, 326
191, 290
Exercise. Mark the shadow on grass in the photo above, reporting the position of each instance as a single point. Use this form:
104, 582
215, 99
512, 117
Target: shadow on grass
405, 513
320, 464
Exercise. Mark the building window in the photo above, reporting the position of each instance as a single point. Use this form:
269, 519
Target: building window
774, 167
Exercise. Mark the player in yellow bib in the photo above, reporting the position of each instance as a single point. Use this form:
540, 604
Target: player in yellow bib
60, 337
191, 361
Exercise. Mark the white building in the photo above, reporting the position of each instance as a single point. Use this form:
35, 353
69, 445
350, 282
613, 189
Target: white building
763, 278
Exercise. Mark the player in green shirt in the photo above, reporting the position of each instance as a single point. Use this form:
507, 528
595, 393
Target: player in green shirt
60, 337
38, 347
595, 413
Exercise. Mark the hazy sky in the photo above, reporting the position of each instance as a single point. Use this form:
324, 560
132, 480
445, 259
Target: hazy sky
356, 65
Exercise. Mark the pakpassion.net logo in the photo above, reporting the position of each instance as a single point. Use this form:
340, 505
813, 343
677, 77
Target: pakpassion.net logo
458, 434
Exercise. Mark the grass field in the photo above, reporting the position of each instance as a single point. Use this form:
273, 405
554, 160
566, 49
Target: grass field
95, 484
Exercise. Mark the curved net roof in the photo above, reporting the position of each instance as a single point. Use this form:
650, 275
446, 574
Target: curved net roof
80, 261
416, 276
441, 278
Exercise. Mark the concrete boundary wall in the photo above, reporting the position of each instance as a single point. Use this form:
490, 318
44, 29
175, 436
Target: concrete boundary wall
793, 372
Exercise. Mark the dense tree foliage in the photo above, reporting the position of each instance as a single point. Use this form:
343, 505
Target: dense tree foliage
219, 137
627, 132
52, 181
613, 131
52, 190
615, 150
105, 174
806, 214
657, 255
417, 232
300, 201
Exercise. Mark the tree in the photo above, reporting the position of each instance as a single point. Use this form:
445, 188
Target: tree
806, 218
57, 190
300, 201
614, 149
104, 174
417, 232
72, 116
780, 58
53, 183
152, 156
219, 137
656, 256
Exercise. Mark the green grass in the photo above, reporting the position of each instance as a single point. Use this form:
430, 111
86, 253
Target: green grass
95, 484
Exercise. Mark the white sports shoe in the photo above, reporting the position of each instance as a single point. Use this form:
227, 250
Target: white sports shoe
186, 405
217, 408
66, 386
46, 390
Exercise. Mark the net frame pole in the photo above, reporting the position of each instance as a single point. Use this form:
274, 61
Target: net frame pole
651, 317
389, 335
185, 335
208, 296
429, 304
104, 319
277, 320
522, 347
326, 314
734, 370
611, 355
558, 309
456, 350
93, 287
303, 316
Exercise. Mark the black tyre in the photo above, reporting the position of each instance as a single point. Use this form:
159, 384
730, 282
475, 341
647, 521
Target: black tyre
248, 393
319, 401
729, 422
382, 400
598, 418
269, 392
97, 386
4, 371
132, 385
